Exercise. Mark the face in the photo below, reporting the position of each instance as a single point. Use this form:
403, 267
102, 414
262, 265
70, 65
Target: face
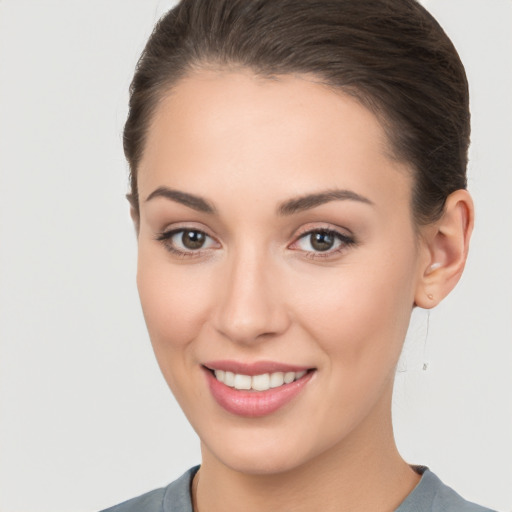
277, 252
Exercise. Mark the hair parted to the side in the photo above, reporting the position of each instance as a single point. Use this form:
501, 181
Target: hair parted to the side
391, 55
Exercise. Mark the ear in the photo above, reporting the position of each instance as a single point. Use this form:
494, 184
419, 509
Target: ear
446, 245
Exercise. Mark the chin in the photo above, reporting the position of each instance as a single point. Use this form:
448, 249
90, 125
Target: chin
261, 463
260, 452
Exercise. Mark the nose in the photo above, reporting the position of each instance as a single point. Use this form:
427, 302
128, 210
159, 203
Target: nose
251, 307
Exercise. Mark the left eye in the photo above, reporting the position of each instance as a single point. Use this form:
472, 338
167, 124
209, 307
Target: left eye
186, 240
322, 241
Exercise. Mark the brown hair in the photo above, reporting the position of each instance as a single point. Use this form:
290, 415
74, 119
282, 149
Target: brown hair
391, 55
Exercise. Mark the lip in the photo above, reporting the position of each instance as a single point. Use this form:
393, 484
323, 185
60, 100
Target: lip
254, 404
256, 368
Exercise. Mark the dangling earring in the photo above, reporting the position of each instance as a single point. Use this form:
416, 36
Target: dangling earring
425, 362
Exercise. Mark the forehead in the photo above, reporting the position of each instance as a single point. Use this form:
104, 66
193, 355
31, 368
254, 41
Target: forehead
281, 134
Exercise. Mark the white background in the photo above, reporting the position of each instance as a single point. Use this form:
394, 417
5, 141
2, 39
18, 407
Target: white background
86, 420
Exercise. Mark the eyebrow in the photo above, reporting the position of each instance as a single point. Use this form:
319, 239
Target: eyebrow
309, 201
289, 207
190, 200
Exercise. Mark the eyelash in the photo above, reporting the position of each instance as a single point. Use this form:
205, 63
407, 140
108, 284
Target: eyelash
345, 241
166, 237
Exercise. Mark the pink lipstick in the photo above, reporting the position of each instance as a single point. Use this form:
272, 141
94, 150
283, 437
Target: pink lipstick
255, 389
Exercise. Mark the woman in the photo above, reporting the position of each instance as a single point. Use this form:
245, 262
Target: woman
298, 187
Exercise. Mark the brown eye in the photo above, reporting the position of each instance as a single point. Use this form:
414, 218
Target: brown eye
193, 239
187, 242
322, 240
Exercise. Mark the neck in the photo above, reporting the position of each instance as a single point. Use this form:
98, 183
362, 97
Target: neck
361, 473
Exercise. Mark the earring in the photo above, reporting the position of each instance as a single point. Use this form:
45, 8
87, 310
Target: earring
430, 296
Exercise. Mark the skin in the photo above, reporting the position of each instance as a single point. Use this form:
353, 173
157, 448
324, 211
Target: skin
259, 291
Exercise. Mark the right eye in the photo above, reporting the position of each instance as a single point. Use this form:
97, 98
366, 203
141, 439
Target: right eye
186, 242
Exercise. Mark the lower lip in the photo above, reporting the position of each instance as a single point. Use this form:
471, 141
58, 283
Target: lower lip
253, 404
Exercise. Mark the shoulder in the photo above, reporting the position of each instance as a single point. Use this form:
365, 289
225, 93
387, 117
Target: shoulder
149, 502
173, 498
432, 495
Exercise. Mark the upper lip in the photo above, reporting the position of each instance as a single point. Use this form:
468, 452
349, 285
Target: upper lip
255, 368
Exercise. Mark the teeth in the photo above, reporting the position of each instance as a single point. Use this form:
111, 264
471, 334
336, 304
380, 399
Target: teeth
276, 379
229, 379
242, 381
261, 382
289, 377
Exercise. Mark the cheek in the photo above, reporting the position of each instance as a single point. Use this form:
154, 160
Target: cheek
173, 301
175, 305
358, 316
358, 320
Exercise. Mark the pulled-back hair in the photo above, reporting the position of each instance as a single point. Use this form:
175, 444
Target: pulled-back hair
391, 55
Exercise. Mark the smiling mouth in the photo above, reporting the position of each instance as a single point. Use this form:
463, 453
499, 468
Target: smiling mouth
257, 389
262, 382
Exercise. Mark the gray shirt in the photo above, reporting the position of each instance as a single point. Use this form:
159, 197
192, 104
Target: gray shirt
430, 495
